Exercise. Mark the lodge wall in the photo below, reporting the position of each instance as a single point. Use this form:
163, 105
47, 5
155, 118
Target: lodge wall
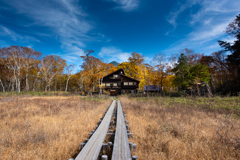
118, 83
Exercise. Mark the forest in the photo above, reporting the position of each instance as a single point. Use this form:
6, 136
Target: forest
23, 69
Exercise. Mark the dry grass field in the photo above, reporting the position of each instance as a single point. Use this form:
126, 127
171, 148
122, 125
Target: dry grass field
46, 127
170, 128
52, 127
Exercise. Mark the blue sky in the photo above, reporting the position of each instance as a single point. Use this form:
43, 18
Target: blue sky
116, 28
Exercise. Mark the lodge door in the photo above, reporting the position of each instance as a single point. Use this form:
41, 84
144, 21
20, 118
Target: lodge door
113, 93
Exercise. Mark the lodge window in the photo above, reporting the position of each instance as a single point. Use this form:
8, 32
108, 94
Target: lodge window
108, 84
129, 83
115, 76
114, 84
103, 84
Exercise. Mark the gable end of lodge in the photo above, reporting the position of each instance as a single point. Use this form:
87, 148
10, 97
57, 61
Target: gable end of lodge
117, 83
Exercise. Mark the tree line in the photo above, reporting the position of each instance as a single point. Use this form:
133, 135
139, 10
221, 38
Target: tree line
22, 69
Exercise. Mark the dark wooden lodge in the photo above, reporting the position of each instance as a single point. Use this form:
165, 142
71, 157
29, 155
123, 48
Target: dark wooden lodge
117, 83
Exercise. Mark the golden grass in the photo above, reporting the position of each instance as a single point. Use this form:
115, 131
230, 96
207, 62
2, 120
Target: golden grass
46, 127
181, 132
53, 127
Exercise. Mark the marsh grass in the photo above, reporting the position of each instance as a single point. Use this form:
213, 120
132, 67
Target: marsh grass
46, 127
38, 93
52, 127
184, 128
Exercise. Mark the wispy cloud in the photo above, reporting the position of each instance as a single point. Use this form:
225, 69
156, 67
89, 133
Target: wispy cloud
73, 55
67, 21
174, 14
209, 33
4, 31
126, 5
63, 21
208, 24
114, 54
206, 13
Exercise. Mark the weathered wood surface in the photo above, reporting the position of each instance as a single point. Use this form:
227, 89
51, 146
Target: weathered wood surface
92, 148
121, 150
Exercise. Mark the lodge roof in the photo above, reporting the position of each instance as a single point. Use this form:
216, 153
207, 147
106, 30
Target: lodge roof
130, 78
115, 72
122, 74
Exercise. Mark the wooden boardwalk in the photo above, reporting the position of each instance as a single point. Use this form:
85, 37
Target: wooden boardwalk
121, 149
92, 148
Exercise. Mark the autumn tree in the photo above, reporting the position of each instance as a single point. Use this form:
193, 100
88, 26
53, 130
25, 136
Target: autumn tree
104, 70
35, 73
80, 79
147, 73
13, 60
126, 66
29, 58
3, 75
91, 67
135, 60
69, 72
160, 65
93, 70
192, 57
50, 67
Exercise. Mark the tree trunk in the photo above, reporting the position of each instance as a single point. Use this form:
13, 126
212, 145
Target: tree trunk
19, 86
34, 85
27, 86
16, 84
212, 85
2, 85
55, 82
9, 85
12, 90
198, 91
18, 81
49, 87
67, 84
46, 88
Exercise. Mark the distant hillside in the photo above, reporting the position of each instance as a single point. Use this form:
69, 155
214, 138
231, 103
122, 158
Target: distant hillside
114, 63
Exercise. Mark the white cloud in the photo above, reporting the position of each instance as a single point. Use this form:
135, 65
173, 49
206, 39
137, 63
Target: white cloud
174, 14
73, 55
229, 39
114, 54
209, 33
126, 5
30, 46
4, 31
207, 24
70, 58
214, 9
208, 11
64, 18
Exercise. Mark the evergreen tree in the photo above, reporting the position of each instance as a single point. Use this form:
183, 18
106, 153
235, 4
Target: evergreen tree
233, 59
182, 73
187, 75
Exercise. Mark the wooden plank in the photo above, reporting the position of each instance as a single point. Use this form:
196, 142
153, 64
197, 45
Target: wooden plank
92, 148
121, 149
